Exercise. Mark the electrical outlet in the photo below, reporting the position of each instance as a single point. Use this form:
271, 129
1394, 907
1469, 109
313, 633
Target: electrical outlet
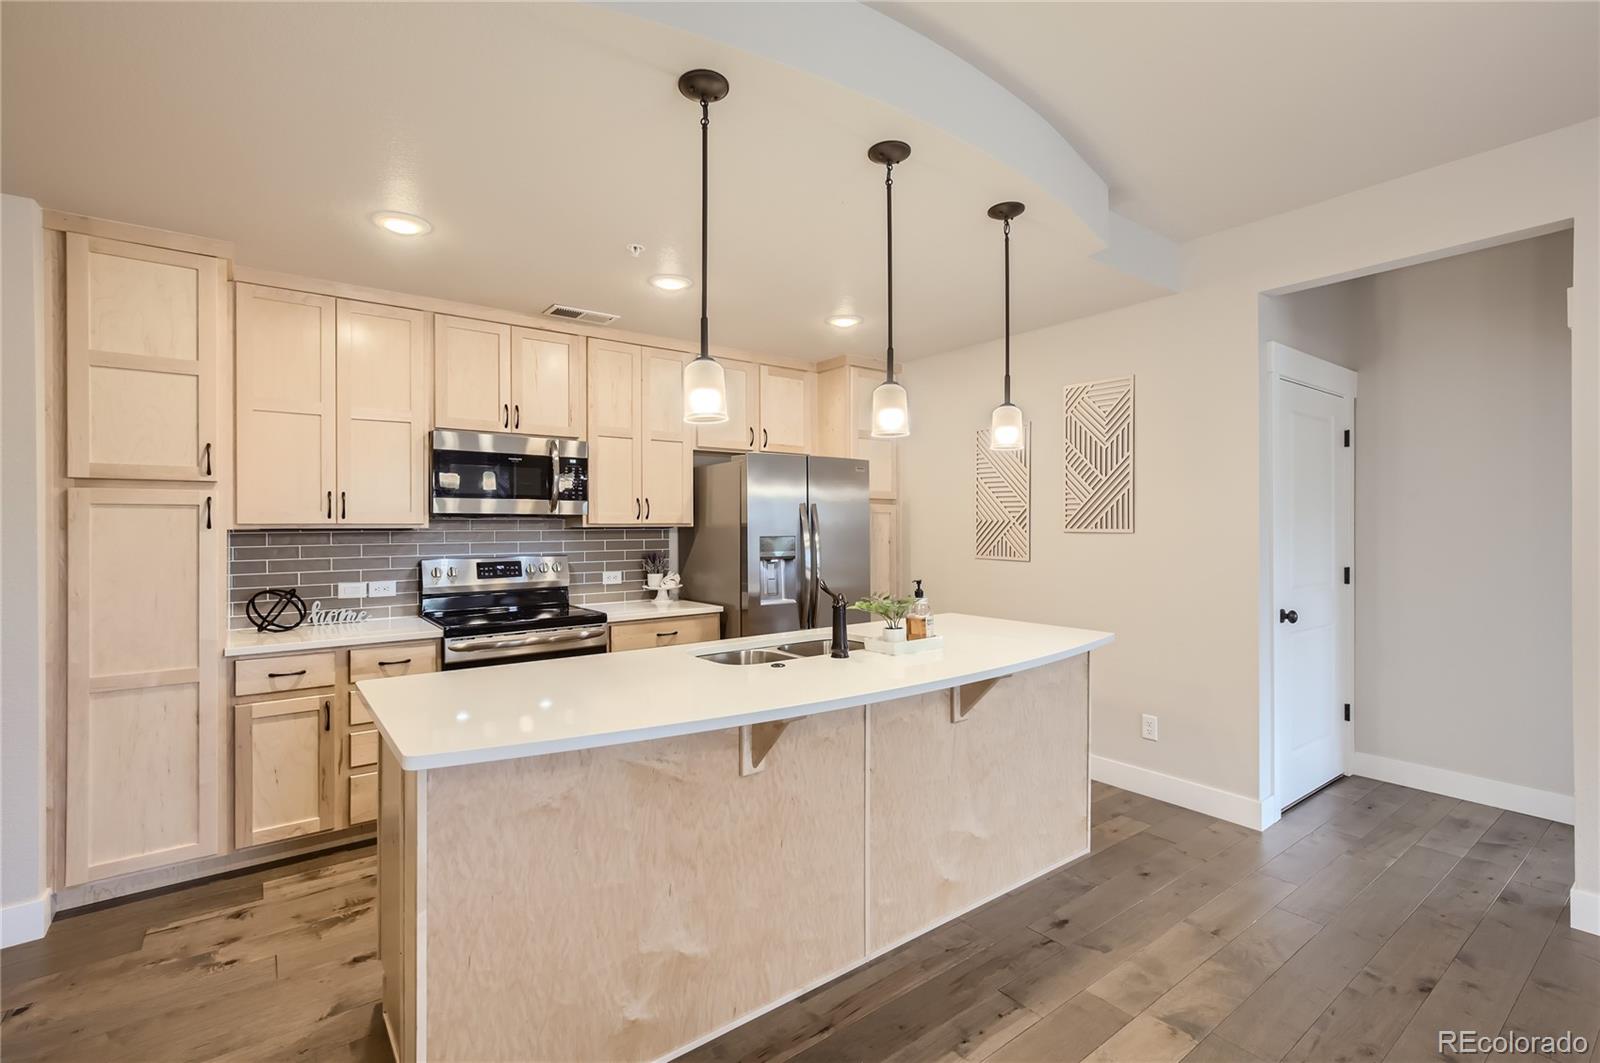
380, 588
1147, 728
352, 590
610, 577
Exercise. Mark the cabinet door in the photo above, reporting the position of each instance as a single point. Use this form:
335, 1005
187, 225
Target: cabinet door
882, 455
284, 355
547, 383
741, 431
383, 415
666, 449
472, 374
143, 594
614, 426
884, 549
142, 339
788, 397
283, 769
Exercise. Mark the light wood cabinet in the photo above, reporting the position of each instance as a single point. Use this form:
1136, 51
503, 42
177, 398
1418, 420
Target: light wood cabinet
283, 768
144, 589
668, 631
142, 363
495, 378
788, 408
334, 402
641, 455
742, 430
883, 547
283, 675
844, 425
285, 406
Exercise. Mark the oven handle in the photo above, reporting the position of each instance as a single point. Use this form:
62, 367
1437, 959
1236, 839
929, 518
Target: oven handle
555, 475
495, 642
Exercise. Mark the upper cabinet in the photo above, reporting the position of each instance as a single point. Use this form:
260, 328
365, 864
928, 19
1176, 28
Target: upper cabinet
770, 408
496, 378
844, 421
333, 408
742, 430
142, 341
641, 456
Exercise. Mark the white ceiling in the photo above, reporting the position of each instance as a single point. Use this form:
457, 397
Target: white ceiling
540, 140
1204, 116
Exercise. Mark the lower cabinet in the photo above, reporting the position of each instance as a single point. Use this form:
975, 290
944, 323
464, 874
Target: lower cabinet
673, 631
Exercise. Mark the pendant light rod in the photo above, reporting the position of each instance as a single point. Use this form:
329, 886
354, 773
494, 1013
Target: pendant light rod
706, 87
889, 154
1004, 212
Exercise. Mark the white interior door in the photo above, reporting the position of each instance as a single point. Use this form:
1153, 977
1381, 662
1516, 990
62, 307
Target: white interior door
1313, 474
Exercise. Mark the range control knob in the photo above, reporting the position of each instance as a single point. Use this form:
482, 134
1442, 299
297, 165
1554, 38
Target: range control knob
451, 572
544, 566
435, 572
555, 566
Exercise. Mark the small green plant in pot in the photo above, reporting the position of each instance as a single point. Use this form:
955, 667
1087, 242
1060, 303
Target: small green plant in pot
891, 609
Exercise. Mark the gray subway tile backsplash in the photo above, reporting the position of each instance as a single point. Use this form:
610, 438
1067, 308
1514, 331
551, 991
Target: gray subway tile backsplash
315, 562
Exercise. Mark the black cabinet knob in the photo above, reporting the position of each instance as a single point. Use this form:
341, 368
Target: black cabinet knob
1288, 616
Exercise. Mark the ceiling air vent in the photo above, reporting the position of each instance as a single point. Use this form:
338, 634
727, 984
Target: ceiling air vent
574, 313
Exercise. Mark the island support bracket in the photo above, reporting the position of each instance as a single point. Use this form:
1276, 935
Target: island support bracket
963, 699
755, 743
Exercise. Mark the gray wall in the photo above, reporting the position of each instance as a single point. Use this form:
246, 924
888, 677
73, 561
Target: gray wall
1463, 505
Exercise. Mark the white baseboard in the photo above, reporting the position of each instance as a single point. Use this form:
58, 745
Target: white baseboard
1546, 804
26, 920
1585, 910
1223, 804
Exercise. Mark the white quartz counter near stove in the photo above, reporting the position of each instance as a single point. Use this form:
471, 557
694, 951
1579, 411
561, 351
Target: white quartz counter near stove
627, 612
252, 643
477, 715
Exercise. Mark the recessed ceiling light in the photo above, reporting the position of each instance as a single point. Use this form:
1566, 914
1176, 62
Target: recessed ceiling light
844, 321
401, 224
670, 282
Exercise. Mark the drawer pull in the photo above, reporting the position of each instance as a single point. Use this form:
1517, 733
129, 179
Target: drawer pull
390, 664
285, 675
666, 634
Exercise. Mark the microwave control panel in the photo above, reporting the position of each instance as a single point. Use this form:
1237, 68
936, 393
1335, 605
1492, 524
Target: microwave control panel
572, 483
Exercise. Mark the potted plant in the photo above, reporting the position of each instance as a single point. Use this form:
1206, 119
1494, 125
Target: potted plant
655, 566
892, 610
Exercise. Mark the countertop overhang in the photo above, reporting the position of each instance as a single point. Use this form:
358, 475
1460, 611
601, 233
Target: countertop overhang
479, 715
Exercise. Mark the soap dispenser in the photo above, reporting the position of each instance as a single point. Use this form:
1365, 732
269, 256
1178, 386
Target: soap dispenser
919, 622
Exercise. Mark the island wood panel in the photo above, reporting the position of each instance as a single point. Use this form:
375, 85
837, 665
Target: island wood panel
618, 903
961, 812
401, 895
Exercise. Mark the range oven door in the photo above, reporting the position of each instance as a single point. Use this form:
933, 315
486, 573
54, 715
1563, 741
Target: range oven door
497, 474
473, 651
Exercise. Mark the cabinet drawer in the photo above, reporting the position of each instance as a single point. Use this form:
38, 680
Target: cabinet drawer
396, 658
360, 715
272, 675
363, 748
363, 797
674, 631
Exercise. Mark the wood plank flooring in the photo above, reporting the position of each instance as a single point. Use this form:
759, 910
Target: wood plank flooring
1370, 917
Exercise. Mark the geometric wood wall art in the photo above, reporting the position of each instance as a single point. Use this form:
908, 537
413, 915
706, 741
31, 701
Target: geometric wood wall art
1002, 516
1099, 455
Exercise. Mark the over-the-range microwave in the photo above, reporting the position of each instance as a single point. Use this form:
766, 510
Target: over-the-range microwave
499, 474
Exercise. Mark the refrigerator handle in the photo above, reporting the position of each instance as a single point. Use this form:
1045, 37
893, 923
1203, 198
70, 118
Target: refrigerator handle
805, 597
816, 562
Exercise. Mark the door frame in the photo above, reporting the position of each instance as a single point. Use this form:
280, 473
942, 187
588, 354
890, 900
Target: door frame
1286, 364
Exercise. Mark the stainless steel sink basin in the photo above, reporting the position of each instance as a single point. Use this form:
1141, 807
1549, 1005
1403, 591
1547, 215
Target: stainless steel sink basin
764, 655
816, 647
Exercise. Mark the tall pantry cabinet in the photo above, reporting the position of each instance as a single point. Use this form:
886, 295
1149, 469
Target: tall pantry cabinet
141, 484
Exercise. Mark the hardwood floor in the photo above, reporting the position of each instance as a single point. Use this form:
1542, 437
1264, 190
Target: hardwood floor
1366, 920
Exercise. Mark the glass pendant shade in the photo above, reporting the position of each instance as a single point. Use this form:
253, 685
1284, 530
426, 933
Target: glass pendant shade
1005, 428
891, 417
705, 392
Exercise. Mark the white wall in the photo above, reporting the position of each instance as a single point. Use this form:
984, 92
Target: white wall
1463, 510
25, 911
1185, 593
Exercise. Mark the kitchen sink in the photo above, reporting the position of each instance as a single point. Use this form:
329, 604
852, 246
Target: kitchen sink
764, 655
816, 647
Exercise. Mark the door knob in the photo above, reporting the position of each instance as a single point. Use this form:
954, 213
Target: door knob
1288, 616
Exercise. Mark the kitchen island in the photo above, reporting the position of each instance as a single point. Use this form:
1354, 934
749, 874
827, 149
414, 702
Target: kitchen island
618, 857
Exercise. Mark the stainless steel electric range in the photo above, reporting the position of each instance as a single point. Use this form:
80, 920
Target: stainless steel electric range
496, 610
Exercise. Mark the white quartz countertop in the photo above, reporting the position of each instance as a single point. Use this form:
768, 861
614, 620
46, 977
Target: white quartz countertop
252, 643
623, 612
477, 715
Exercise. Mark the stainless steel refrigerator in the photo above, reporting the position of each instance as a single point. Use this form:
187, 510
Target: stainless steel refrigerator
768, 528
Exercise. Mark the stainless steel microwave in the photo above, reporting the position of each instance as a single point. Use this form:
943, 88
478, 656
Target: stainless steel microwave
498, 474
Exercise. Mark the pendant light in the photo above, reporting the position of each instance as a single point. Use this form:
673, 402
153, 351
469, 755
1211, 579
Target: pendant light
1005, 424
705, 388
891, 418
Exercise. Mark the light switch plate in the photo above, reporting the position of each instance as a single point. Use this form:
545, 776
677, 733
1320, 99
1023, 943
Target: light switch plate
380, 588
610, 577
352, 590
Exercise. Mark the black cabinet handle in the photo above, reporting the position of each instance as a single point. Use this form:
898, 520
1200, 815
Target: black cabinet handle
752, 435
327, 715
636, 509
387, 664
330, 505
647, 509
516, 416
208, 512
1288, 616
341, 505
763, 438
666, 634
505, 415
285, 675
208, 459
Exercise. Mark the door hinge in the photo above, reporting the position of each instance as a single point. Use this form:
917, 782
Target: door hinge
1347, 712
1347, 437
1347, 574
